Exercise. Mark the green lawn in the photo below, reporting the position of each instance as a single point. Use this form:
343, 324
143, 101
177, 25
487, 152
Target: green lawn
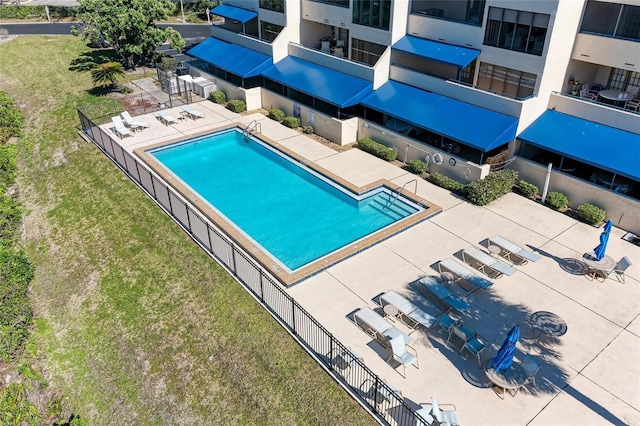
134, 322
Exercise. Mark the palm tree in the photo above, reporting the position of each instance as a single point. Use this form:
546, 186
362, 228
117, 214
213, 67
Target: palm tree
107, 74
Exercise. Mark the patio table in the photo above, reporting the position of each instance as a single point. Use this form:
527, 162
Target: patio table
508, 380
607, 263
614, 95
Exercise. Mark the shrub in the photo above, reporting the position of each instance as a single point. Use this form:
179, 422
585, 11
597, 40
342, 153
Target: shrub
527, 189
276, 114
492, 187
308, 130
591, 214
16, 272
557, 200
447, 183
377, 149
417, 167
10, 118
236, 105
218, 97
293, 122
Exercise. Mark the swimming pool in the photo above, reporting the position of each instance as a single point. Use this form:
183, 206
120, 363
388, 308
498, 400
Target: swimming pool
287, 209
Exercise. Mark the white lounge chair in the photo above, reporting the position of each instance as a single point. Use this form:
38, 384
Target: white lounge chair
513, 252
119, 128
377, 327
192, 113
408, 313
485, 263
166, 118
462, 272
444, 416
135, 125
424, 417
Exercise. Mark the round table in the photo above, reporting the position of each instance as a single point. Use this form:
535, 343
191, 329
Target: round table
390, 310
494, 250
506, 380
447, 278
547, 323
607, 263
614, 95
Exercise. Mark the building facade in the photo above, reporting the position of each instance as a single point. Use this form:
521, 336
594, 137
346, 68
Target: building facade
482, 82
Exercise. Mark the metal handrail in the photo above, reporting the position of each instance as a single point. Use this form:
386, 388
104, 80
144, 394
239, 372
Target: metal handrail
251, 128
393, 197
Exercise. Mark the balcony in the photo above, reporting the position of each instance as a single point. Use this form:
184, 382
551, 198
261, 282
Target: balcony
594, 110
607, 51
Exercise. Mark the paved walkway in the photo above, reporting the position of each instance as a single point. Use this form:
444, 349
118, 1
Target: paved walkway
589, 376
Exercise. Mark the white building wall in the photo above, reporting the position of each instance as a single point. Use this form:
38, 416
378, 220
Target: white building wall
326, 14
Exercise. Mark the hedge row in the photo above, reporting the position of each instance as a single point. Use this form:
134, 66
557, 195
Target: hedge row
24, 12
377, 149
16, 272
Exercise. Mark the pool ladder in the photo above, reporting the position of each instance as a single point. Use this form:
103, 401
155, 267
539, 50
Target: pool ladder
251, 129
393, 197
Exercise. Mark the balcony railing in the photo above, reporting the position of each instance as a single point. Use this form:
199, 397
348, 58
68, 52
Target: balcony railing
611, 36
495, 92
597, 102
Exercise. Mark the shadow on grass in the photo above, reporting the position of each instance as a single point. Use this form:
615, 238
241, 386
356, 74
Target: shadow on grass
92, 58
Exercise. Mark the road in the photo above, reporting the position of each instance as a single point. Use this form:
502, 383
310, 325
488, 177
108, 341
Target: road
189, 32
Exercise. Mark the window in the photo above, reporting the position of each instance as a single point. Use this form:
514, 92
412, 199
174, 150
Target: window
612, 19
619, 79
465, 11
372, 13
269, 32
505, 81
366, 51
275, 5
516, 30
342, 3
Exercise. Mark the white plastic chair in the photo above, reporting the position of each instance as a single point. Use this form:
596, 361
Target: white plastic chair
531, 368
400, 354
618, 271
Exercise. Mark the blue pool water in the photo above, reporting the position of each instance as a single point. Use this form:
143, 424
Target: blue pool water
293, 214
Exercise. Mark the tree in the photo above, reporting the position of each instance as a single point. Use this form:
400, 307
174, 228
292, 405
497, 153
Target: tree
128, 26
107, 74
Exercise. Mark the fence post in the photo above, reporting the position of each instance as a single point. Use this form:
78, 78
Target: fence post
233, 260
293, 316
330, 352
261, 286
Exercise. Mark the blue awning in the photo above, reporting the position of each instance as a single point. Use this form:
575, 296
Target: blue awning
235, 13
323, 83
230, 57
473, 126
596, 144
436, 51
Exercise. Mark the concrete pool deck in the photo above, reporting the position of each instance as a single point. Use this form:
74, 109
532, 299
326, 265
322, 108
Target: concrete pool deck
589, 376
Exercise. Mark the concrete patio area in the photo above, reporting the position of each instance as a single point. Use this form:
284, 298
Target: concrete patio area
589, 376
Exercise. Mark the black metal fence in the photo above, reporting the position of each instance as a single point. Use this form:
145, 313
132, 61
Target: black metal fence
385, 401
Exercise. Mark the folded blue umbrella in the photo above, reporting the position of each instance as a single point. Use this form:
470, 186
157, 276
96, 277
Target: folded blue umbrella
604, 239
504, 357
